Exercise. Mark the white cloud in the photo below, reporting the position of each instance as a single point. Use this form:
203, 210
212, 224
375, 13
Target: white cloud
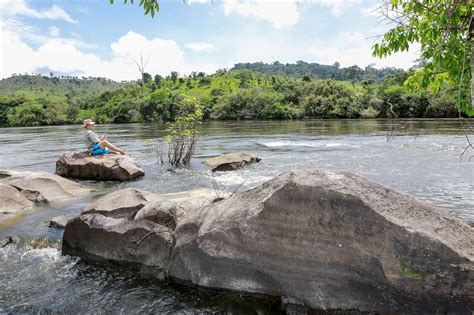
54, 31
29, 33
338, 6
279, 13
11, 8
197, 1
354, 49
200, 46
60, 56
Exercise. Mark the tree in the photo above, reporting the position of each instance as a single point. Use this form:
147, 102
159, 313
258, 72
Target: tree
442, 30
158, 79
174, 76
150, 6
146, 77
182, 133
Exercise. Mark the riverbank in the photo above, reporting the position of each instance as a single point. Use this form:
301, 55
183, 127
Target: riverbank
226, 95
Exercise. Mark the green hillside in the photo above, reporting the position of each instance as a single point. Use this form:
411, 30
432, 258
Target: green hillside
56, 88
237, 94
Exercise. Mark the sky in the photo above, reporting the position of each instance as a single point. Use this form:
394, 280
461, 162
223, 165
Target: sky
95, 38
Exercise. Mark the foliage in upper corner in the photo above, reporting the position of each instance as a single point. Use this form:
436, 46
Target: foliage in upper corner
150, 6
442, 30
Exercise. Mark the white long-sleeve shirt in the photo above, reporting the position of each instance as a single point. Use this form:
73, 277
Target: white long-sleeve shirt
91, 138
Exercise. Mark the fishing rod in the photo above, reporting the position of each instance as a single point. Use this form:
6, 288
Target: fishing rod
108, 123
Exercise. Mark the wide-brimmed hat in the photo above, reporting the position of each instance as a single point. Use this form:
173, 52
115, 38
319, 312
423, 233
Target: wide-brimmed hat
88, 122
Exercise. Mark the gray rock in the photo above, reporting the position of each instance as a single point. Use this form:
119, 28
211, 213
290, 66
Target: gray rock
325, 240
191, 200
60, 221
231, 161
124, 203
98, 167
34, 196
9, 240
199, 193
44, 187
142, 243
162, 212
330, 240
12, 201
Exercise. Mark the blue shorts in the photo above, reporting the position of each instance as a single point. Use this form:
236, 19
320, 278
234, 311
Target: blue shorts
97, 150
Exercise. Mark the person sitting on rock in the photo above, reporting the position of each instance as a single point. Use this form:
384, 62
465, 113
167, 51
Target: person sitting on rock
96, 145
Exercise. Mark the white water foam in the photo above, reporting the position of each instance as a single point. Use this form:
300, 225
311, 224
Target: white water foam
309, 144
51, 254
242, 178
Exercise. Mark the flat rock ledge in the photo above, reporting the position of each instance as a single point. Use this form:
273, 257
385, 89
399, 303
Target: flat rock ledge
99, 167
231, 161
321, 240
21, 191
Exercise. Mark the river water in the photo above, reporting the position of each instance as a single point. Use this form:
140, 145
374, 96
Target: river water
423, 161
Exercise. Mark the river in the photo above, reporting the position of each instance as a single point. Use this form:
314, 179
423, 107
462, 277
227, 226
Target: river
424, 161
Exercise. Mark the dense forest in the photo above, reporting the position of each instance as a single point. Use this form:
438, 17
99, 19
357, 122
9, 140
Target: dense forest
247, 91
301, 69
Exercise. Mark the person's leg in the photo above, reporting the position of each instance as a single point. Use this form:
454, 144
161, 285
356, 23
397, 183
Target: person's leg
110, 146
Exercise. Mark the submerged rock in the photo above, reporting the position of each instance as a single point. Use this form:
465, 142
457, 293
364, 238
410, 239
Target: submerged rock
9, 240
141, 243
43, 187
98, 167
60, 221
124, 203
231, 161
323, 240
12, 201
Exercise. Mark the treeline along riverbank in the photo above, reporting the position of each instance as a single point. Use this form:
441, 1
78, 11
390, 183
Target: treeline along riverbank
247, 91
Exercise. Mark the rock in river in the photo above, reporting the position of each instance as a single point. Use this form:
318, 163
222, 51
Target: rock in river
41, 186
60, 221
141, 243
12, 201
330, 240
98, 167
231, 161
123, 203
325, 240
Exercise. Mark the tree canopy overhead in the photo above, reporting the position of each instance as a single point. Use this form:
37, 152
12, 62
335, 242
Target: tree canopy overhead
441, 27
150, 6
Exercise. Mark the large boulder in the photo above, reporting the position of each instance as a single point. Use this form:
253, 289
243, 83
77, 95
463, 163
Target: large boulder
124, 203
231, 161
142, 243
325, 240
98, 167
41, 186
12, 202
329, 240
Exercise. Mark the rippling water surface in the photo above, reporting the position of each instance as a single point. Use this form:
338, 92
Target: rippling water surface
34, 277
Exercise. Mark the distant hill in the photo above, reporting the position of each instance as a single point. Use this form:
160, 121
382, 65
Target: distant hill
56, 88
318, 71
